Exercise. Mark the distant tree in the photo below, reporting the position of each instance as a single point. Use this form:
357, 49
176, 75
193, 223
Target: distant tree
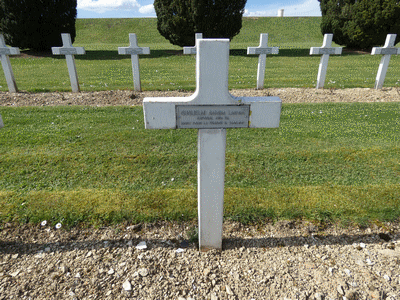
37, 24
360, 24
179, 20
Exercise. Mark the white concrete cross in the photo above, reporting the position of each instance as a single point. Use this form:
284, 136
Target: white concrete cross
192, 50
5, 61
211, 109
134, 50
262, 50
1, 123
387, 50
325, 50
69, 51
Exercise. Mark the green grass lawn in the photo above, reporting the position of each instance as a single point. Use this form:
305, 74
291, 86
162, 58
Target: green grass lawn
96, 166
166, 68
326, 162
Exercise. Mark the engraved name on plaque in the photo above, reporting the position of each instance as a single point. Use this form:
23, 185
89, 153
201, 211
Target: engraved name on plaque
212, 116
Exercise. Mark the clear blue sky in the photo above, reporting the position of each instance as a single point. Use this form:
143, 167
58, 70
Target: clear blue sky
144, 8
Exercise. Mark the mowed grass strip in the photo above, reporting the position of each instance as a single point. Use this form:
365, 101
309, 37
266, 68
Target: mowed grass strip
92, 165
167, 69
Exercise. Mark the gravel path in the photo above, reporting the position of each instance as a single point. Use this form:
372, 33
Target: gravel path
286, 260
111, 98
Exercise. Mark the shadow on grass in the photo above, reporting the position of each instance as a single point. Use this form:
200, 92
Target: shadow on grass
296, 52
99, 54
113, 55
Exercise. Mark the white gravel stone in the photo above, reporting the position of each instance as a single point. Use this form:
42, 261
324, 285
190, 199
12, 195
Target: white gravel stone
143, 272
111, 271
127, 286
142, 246
228, 290
387, 277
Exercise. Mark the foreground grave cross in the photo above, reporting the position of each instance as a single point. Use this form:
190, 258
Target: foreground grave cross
192, 50
262, 50
211, 109
5, 61
69, 51
387, 50
134, 50
325, 50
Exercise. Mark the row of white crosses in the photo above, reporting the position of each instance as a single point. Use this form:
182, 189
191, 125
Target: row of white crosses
70, 51
387, 50
211, 110
262, 50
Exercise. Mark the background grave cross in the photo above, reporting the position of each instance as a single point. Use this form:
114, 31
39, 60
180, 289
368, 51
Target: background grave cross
134, 50
5, 61
262, 50
192, 50
1, 123
211, 109
69, 51
387, 50
325, 50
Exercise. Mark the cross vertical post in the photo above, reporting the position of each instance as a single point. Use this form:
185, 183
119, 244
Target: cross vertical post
1, 123
211, 110
387, 50
69, 51
5, 62
192, 50
262, 50
325, 50
134, 50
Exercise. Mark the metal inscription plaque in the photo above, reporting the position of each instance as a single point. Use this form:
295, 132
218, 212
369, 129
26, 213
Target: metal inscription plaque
212, 116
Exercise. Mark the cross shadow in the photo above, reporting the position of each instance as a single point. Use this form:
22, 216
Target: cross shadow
100, 54
282, 52
298, 52
113, 55
71, 242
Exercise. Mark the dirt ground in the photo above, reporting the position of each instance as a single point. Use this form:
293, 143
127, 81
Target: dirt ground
127, 97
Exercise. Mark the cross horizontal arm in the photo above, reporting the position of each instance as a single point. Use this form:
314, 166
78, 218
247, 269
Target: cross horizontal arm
320, 50
4, 50
265, 112
270, 50
192, 50
160, 113
212, 90
385, 51
133, 48
67, 48
133, 51
68, 51
9, 51
388, 48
